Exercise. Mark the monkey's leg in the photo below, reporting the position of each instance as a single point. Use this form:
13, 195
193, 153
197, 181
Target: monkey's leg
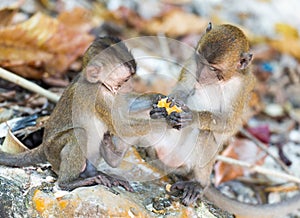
112, 150
72, 175
201, 171
93, 177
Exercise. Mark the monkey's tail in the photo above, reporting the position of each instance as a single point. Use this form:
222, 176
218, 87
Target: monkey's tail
23, 159
244, 210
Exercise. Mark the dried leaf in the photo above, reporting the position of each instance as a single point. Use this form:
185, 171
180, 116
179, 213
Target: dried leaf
12, 145
262, 133
240, 149
6, 16
287, 31
289, 43
176, 23
41, 44
78, 18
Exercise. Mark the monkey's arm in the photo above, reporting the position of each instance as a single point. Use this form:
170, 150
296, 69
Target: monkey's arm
140, 102
131, 119
185, 84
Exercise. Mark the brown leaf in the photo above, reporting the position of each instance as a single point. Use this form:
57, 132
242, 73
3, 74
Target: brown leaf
239, 149
173, 22
41, 45
176, 23
6, 16
78, 18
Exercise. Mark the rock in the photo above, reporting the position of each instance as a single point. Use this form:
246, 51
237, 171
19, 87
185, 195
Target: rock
28, 192
12, 201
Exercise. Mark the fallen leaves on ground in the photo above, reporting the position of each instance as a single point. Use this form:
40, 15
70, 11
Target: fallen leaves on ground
244, 150
174, 22
43, 45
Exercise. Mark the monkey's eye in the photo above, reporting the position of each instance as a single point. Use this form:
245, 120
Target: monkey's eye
212, 68
220, 76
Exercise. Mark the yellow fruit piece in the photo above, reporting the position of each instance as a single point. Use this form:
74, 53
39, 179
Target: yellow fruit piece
163, 103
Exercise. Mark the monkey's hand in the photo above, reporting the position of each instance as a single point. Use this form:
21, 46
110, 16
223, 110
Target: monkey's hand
181, 119
158, 111
191, 191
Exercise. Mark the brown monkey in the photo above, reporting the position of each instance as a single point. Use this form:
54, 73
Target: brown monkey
213, 100
80, 130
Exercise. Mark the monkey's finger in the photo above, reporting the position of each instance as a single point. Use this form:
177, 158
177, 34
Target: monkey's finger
184, 119
179, 103
170, 99
172, 122
178, 127
174, 116
185, 108
182, 115
172, 104
126, 185
175, 125
187, 195
195, 194
103, 180
158, 113
177, 186
158, 98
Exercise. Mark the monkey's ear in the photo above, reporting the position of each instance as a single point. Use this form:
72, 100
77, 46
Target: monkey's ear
93, 73
245, 60
209, 27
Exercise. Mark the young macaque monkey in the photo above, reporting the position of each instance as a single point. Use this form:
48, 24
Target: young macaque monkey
80, 130
209, 108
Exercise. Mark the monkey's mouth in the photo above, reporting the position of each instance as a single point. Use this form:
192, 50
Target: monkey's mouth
112, 89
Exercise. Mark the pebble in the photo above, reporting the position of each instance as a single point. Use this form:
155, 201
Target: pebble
295, 136
274, 110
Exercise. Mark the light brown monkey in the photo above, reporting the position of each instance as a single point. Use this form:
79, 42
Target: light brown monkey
80, 130
213, 101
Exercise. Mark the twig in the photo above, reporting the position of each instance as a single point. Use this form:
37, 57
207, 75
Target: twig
258, 169
5, 74
282, 188
265, 149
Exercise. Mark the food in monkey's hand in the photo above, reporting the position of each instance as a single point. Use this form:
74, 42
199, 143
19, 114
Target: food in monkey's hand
169, 105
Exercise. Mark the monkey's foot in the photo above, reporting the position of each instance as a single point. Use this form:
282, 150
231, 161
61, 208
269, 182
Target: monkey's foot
110, 181
191, 191
101, 179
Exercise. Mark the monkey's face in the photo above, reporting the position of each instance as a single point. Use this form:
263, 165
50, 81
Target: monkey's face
109, 72
116, 78
221, 53
212, 73
208, 73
